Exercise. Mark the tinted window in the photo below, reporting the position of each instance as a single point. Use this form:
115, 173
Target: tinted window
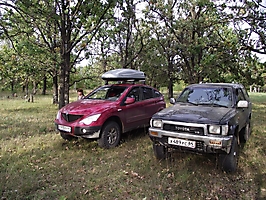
147, 93
134, 93
157, 94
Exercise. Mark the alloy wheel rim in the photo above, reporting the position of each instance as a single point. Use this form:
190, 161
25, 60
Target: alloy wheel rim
112, 135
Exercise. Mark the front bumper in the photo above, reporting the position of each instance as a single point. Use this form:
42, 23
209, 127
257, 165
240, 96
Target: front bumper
204, 143
84, 132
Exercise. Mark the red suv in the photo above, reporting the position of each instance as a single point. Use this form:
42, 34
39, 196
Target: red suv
111, 109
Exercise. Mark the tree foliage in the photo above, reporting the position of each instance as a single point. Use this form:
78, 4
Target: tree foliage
249, 18
171, 41
63, 27
195, 40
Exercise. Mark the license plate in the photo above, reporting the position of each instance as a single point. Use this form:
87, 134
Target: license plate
64, 128
183, 143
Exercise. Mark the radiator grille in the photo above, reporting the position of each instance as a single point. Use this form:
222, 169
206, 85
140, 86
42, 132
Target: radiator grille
71, 118
183, 129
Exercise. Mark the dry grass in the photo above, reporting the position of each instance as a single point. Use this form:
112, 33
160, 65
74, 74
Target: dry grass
37, 164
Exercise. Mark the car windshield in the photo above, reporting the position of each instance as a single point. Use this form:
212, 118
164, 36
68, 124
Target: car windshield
215, 96
111, 93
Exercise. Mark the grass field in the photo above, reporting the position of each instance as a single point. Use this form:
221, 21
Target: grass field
36, 163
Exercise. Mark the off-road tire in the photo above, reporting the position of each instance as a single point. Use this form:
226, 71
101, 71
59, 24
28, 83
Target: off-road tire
228, 162
110, 135
160, 151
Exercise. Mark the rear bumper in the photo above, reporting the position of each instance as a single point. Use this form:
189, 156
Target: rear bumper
204, 144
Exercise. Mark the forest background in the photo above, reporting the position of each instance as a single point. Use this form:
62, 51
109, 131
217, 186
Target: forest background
62, 44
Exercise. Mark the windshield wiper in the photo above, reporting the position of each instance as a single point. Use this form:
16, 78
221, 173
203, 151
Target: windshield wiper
195, 104
187, 102
219, 105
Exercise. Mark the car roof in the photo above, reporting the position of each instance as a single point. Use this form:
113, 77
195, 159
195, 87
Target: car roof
124, 75
233, 85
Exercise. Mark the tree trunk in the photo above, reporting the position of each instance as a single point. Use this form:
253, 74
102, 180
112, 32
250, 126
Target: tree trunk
12, 86
44, 85
62, 86
55, 89
170, 88
67, 79
65, 55
64, 81
34, 89
27, 88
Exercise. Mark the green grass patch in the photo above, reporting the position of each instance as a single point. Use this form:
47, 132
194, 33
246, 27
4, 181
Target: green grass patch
36, 163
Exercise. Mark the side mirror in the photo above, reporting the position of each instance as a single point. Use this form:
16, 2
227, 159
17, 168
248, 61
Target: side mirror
242, 104
172, 100
129, 100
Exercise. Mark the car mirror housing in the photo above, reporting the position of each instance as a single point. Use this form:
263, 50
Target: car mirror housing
242, 104
129, 100
172, 100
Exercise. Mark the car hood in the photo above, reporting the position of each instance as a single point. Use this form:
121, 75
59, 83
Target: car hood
195, 114
82, 107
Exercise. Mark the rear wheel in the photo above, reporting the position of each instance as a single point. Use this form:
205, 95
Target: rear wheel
228, 162
160, 151
66, 136
110, 136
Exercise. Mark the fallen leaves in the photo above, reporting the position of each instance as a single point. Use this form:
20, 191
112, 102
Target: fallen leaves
133, 174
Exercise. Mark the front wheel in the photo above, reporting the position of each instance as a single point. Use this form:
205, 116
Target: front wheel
228, 162
110, 136
160, 151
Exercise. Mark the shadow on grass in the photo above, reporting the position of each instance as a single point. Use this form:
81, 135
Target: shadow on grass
125, 137
134, 134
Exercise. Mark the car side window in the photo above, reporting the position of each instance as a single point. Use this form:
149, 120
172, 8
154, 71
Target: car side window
134, 93
240, 95
245, 93
157, 94
147, 93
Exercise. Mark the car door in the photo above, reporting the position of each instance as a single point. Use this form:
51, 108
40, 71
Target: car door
243, 113
150, 103
134, 113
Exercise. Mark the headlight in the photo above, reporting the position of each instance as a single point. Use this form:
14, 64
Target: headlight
58, 115
90, 119
219, 130
156, 123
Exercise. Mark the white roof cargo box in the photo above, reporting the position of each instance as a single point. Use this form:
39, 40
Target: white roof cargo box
123, 75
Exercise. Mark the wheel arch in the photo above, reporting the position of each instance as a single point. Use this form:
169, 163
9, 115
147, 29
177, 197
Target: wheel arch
234, 130
114, 119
